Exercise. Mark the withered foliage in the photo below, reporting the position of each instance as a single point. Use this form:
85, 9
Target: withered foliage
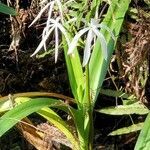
134, 57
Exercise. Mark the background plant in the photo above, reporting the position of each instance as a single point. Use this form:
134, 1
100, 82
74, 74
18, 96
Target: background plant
85, 85
7, 10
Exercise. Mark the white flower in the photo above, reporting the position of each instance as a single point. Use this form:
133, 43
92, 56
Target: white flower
51, 24
93, 30
54, 25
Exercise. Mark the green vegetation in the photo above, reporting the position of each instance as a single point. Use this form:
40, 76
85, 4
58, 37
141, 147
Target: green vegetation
78, 29
7, 10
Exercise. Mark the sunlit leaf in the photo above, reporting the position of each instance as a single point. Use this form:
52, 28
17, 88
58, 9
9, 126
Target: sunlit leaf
9, 119
5, 105
136, 108
129, 129
116, 93
53, 118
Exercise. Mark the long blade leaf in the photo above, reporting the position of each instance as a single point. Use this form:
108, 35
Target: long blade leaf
136, 108
7, 10
99, 67
9, 119
143, 141
53, 118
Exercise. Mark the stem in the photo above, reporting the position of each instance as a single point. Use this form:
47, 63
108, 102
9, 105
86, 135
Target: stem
90, 109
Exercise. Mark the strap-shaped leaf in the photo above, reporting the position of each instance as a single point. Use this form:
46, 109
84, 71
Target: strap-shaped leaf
98, 65
7, 10
75, 72
9, 119
143, 142
53, 118
129, 129
136, 108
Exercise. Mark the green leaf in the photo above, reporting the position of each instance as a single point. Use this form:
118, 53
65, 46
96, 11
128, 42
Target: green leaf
136, 108
5, 105
126, 130
114, 93
75, 72
147, 2
143, 142
79, 118
7, 10
98, 65
53, 118
9, 119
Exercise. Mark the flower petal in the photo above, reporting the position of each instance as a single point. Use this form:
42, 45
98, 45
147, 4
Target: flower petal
103, 42
56, 44
87, 50
74, 42
61, 28
44, 34
49, 15
103, 26
40, 14
43, 41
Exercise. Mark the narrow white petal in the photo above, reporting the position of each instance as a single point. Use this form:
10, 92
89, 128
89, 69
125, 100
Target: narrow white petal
74, 42
49, 14
54, 21
40, 14
63, 30
103, 26
103, 42
56, 44
44, 34
87, 50
43, 41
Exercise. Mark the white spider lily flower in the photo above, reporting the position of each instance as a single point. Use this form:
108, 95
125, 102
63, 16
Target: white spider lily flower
51, 25
55, 25
93, 31
61, 28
